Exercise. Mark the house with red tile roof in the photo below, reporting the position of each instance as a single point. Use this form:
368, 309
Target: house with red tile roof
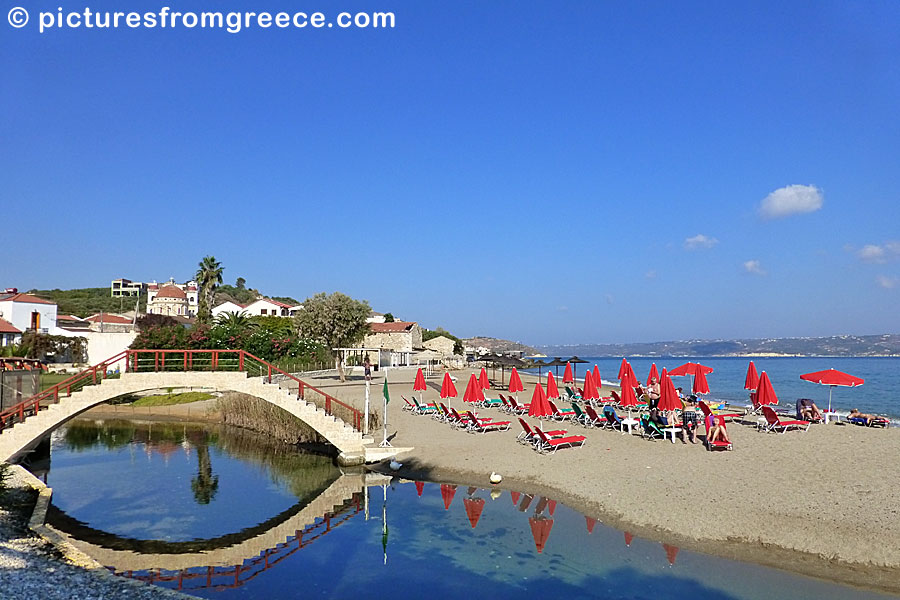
8, 333
268, 307
191, 296
26, 311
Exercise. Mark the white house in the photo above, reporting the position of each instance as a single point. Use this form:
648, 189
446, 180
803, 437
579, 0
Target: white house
266, 307
9, 334
25, 311
228, 307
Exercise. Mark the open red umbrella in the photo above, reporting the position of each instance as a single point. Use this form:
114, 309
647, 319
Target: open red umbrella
591, 522
420, 485
568, 377
700, 385
832, 378
483, 380
419, 383
752, 379
654, 374
447, 493
540, 530
515, 383
552, 390
474, 506
765, 393
690, 368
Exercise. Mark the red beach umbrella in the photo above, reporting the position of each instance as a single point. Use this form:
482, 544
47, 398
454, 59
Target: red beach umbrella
690, 368
623, 368
628, 397
591, 522
447, 493
671, 553
628, 538
590, 388
832, 378
419, 383
515, 383
420, 485
540, 406
597, 380
552, 390
631, 374
700, 385
515, 497
483, 380
568, 377
765, 393
654, 374
552, 506
752, 379
448, 390
668, 397
474, 506
540, 530
474, 392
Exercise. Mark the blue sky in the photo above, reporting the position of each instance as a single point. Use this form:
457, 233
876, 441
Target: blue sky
538, 171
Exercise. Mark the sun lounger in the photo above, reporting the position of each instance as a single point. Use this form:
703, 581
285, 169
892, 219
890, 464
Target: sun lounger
594, 420
709, 421
571, 394
528, 436
612, 419
519, 409
774, 423
476, 425
423, 409
708, 411
560, 415
580, 416
408, 405
877, 422
649, 429
548, 445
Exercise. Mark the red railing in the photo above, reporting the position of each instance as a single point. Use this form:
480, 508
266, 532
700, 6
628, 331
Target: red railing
142, 361
220, 578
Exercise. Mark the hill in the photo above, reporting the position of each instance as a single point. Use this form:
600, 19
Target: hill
840, 345
499, 346
85, 302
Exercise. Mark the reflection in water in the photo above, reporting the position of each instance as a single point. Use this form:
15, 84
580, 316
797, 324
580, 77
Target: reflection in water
205, 484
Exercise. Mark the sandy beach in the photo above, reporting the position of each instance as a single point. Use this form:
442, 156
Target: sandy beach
822, 503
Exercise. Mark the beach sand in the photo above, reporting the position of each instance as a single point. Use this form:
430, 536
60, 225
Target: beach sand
822, 503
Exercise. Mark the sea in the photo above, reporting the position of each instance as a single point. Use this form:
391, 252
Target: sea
880, 394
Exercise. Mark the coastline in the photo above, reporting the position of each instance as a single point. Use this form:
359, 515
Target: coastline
777, 500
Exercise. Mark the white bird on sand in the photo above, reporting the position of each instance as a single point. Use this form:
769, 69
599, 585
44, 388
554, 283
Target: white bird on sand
395, 466
496, 478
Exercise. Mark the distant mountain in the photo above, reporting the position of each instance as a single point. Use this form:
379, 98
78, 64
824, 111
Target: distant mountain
839, 345
499, 346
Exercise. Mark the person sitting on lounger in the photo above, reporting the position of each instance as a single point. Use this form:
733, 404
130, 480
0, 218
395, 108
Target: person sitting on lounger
855, 414
809, 411
717, 432
689, 419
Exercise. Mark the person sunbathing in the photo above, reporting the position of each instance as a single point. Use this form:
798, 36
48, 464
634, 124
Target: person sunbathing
717, 431
855, 414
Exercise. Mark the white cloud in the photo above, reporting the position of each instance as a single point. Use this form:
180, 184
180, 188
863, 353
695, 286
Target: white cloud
651, 274
879, 254
753, 266
886, 282
700, 241
791, 200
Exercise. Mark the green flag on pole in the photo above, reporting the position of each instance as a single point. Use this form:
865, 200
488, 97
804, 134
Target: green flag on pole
387, 396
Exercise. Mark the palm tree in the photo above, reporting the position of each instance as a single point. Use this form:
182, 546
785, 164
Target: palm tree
209, 276
205, 484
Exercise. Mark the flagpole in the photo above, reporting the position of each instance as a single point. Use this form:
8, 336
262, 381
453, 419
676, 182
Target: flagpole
385, 395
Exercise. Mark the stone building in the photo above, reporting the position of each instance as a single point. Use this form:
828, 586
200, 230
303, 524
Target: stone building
442, 345
399, 336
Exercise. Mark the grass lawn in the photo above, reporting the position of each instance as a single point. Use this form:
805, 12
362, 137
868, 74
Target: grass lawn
51, 379
168, 399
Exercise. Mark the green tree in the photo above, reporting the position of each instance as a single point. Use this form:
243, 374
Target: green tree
388, 318
338, 321
205, 484
240, 283
209, 277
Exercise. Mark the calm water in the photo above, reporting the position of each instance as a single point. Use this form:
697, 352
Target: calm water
878, 395
124, 485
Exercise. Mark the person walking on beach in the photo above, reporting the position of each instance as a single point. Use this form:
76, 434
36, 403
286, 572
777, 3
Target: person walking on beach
367, 369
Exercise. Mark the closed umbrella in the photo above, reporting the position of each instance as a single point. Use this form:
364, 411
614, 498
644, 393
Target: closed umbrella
540, 406
568, 377
700, 385
832, 378
447, 493
448, 390
483, 380
552, 390
623, 368
540, 530
597, 380
671, 553
474, 506
765, 393
515, 383
628, 539
628, 397
668, 397
752, 379
591, 522
590, 388
473, 392
419, 383
420, 486
654, 374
